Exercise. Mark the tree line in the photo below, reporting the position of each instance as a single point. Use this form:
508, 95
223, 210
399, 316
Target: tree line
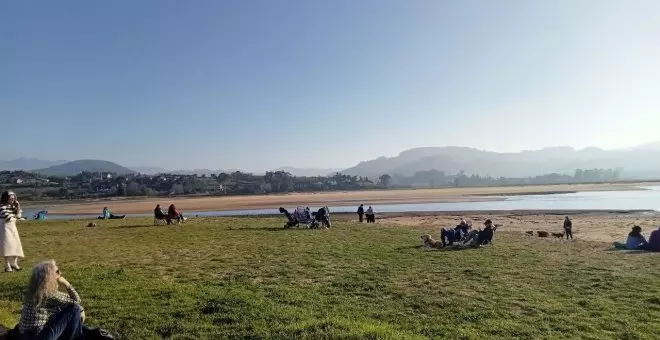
32, 186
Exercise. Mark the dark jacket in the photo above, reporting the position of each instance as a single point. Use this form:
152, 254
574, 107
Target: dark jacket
360, 210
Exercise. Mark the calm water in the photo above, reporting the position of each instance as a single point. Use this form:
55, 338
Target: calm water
600, 200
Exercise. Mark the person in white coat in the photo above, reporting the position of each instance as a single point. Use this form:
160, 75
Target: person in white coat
10, 242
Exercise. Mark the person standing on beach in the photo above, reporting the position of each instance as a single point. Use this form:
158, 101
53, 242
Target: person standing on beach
568, 228
371, 217
10, 242
360, 213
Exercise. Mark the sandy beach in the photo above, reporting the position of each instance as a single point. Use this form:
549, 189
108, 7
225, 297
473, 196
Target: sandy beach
347, 198
591, 226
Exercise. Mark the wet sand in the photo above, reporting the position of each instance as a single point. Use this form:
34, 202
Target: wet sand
346, 198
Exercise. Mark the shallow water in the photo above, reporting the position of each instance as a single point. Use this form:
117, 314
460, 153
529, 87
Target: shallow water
647, 198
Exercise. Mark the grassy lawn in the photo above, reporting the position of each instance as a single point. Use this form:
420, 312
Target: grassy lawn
247, 278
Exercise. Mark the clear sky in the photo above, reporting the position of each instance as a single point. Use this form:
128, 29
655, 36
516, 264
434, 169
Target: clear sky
256, 84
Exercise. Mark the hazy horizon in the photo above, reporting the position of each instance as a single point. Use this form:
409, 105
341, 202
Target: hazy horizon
267, 168
325, 84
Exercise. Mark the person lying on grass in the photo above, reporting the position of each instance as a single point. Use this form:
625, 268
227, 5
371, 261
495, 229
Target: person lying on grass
47, 312
474, 238
458, 234
634, 241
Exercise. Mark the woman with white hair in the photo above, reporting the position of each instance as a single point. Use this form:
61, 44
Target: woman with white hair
10, 242
47, 312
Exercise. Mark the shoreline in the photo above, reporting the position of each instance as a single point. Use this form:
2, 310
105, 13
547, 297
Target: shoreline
343, 198
390, 215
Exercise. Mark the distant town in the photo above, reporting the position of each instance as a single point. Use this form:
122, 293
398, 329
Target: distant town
31, 186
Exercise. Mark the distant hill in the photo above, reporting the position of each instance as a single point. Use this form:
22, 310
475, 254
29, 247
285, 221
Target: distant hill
76, 167
643, 160
27, 164
307, 172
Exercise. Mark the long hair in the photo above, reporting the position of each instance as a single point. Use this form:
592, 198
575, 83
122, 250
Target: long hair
42, 282
5, 198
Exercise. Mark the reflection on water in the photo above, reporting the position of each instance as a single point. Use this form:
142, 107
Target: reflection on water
598, 200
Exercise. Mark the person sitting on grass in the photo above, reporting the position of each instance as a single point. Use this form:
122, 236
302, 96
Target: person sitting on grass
477, 238
291, 222
47, 312
448, 236
654, 241
158, 213
323, 217
457, 234
634, 241
173, 214
486, 235
107, 215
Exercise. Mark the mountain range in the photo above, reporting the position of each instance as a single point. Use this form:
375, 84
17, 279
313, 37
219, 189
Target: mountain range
639, 162
644, 160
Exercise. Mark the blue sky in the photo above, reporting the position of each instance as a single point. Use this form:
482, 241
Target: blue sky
258, 84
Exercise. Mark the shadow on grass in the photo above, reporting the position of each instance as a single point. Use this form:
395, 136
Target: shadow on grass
629, 251
453, 248
133, 226
276, 229
409, 247
262, 229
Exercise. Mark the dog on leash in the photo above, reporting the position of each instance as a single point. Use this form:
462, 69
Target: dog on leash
542, 233
558, 235
429, 242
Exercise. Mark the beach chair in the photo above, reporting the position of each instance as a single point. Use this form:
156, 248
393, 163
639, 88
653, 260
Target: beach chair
160, 218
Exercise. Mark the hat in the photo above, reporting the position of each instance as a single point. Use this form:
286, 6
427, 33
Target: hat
488, 221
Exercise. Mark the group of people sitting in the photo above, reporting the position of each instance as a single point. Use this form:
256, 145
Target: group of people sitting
464, 235
172, 215
637, 241
311, 219
369, 214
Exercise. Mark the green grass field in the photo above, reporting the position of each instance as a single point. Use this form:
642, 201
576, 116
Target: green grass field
247, 278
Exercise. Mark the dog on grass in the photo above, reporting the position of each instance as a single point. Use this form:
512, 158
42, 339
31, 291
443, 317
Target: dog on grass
429, 242
558, 235
542, 233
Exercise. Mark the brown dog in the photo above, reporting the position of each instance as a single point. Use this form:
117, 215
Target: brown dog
558, 235
542, 233
428, 241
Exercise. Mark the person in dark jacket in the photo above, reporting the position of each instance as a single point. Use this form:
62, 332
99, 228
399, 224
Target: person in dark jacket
360, 213
448, 236
291, 222
568, 228
486, 235
158, 212
654, 241
322, 217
